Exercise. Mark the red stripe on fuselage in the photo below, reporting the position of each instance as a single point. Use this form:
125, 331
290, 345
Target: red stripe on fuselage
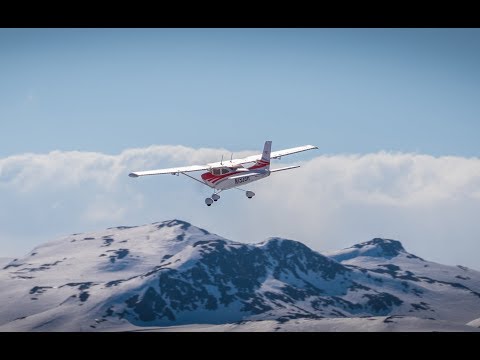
214, 178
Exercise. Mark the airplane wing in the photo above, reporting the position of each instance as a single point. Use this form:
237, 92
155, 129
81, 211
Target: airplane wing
253, 158
228, 163
176, 170
280, 153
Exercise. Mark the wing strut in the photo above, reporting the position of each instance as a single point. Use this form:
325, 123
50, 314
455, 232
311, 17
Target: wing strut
191, 177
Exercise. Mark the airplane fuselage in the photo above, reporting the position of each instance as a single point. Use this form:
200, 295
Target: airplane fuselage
227, 178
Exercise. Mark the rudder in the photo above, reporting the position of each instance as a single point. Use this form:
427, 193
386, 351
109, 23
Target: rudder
267, 149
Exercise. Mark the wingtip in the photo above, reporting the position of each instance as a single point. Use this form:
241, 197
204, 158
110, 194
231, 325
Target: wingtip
133, 175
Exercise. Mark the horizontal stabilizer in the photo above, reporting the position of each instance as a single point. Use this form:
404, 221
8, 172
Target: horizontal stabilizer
285, 168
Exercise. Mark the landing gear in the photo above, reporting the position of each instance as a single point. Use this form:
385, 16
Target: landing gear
250, 194
215, 197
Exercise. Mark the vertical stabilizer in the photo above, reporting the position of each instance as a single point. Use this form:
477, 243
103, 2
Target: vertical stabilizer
267, 149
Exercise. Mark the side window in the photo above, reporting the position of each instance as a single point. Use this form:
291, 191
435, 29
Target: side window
224, 171
216, 171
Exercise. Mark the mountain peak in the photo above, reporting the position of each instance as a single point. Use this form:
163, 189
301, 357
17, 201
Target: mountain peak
177, 222
387, 247
182, 229
277, 241
377, 247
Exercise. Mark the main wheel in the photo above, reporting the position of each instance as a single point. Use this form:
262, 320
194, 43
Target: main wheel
250, 194
215, 197
208, 201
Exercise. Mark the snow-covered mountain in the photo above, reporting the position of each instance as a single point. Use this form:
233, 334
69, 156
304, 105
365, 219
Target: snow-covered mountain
173, 273
4, 261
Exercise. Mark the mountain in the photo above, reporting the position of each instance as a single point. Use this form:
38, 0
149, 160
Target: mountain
4, 261
172, 273
474, 323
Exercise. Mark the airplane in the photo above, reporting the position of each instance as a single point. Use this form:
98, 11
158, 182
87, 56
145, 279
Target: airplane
225, 175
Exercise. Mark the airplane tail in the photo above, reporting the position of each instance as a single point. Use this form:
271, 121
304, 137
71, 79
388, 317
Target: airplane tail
267, 149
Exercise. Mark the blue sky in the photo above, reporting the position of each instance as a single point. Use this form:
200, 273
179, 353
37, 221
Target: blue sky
395, 114
346, 90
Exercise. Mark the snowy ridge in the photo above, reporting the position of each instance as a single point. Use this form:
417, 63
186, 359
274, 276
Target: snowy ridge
175, 274
4, 261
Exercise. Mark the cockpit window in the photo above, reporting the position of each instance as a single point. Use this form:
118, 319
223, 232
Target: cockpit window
216, 171
225, 171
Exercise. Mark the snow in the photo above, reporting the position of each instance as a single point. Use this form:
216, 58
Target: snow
366, 324
83, 282
87, 257
4, 261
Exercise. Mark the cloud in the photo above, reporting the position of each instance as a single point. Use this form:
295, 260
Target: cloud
29, 172
429, 203
395, 179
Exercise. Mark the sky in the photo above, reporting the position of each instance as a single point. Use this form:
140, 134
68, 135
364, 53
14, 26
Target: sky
395, 114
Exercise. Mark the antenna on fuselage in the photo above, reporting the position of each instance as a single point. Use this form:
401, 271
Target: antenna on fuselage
221, 161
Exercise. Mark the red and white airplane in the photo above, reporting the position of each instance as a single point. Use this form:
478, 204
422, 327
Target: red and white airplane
225, 175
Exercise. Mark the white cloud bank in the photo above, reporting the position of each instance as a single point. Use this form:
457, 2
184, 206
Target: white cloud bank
431, 204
